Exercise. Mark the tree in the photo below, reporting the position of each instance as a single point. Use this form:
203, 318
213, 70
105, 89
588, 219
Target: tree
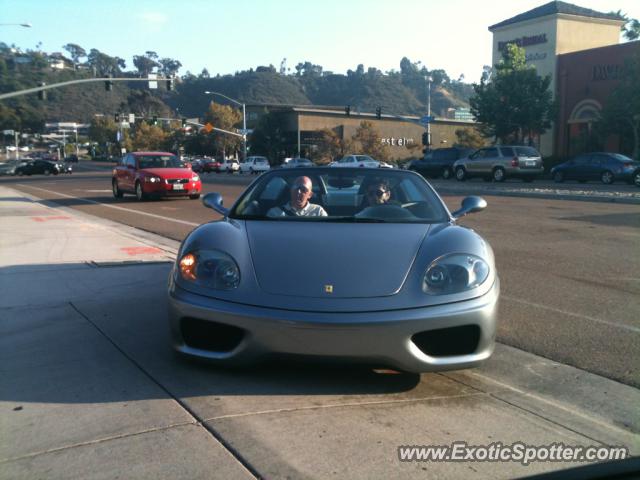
75, 51
368, 141
104, 64
225, 118
269, 138
621, 113
102, 130
144, 104
149, 137
469, 138
631, 27
331, 146
516, 103
169, 67
145, 63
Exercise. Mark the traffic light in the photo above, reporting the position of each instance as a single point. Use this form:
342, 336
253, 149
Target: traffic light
347, 110
379, 113
42, 94
108, 85
184, 123
154, 121
117, 118
170, 84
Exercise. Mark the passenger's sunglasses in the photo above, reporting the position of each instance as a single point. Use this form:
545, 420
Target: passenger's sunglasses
378, 193
300, 188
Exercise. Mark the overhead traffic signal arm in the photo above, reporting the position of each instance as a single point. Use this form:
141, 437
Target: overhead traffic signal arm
43, 86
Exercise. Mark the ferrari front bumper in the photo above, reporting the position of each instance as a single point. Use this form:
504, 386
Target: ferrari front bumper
412, 340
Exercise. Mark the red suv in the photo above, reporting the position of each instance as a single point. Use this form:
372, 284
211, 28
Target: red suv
154, 174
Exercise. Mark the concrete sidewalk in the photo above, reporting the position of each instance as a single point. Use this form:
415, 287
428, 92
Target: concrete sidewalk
89, 387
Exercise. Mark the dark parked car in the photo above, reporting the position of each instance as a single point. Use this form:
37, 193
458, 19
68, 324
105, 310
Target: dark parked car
197, 165
439, 162
606, 167
35, 167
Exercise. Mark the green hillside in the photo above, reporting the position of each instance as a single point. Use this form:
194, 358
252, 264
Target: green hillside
397, 92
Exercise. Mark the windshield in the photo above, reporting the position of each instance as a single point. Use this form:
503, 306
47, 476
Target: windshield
160, 161
353, 195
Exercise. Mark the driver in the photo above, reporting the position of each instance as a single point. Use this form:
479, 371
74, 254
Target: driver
299, 205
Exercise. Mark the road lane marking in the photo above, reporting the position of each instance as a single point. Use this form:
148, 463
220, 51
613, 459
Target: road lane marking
630, 328
46, 219
140, 250
183, 222
93, 191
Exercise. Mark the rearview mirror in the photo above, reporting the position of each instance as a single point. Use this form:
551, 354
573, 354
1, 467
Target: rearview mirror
214, 202
470, 204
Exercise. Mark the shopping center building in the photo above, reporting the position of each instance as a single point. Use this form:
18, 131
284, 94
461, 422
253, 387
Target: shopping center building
580, 49
401, 133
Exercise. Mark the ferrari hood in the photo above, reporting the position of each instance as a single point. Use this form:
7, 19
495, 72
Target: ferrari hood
334, 260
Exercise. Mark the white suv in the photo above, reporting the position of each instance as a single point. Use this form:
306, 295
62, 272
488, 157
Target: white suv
229, 166
255, 165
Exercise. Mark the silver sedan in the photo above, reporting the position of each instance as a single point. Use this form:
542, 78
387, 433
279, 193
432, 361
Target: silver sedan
386, 278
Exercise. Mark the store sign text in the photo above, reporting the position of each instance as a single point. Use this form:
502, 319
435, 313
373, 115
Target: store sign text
607, 72
397, 142
524, 41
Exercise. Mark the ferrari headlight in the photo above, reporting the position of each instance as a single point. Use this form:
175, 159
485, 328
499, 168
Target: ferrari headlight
152, 179
454, 273
209, 268
195, 178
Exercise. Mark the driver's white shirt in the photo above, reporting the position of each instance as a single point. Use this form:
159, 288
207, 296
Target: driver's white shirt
309, 210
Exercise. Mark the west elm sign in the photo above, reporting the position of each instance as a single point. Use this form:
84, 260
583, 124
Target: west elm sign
524, 41
397, 142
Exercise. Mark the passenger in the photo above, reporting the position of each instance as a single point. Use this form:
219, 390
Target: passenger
299, 205
378, 193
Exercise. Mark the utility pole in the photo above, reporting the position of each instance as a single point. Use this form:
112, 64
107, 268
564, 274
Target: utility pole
429, 79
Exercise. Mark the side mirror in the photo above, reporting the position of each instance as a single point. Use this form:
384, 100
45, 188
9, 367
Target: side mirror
470, 204
214, 202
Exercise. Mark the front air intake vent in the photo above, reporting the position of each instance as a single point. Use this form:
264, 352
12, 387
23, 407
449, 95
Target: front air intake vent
213, 336
448, 342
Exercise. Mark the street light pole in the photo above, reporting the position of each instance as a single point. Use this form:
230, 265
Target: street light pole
244, 120
429, 79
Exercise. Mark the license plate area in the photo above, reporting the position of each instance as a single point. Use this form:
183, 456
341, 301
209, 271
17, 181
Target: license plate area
178, 186
530, 163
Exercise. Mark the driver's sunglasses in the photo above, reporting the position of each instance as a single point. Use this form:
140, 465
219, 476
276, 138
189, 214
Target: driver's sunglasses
379, 192
300, 188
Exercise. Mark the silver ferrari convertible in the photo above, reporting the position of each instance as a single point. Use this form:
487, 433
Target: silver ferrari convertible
348, 264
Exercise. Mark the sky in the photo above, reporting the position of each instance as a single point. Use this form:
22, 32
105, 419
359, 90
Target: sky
227, 36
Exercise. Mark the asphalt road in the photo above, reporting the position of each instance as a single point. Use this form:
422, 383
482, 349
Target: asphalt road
570, 287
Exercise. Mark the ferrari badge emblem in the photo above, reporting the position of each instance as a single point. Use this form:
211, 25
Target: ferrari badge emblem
328, 289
